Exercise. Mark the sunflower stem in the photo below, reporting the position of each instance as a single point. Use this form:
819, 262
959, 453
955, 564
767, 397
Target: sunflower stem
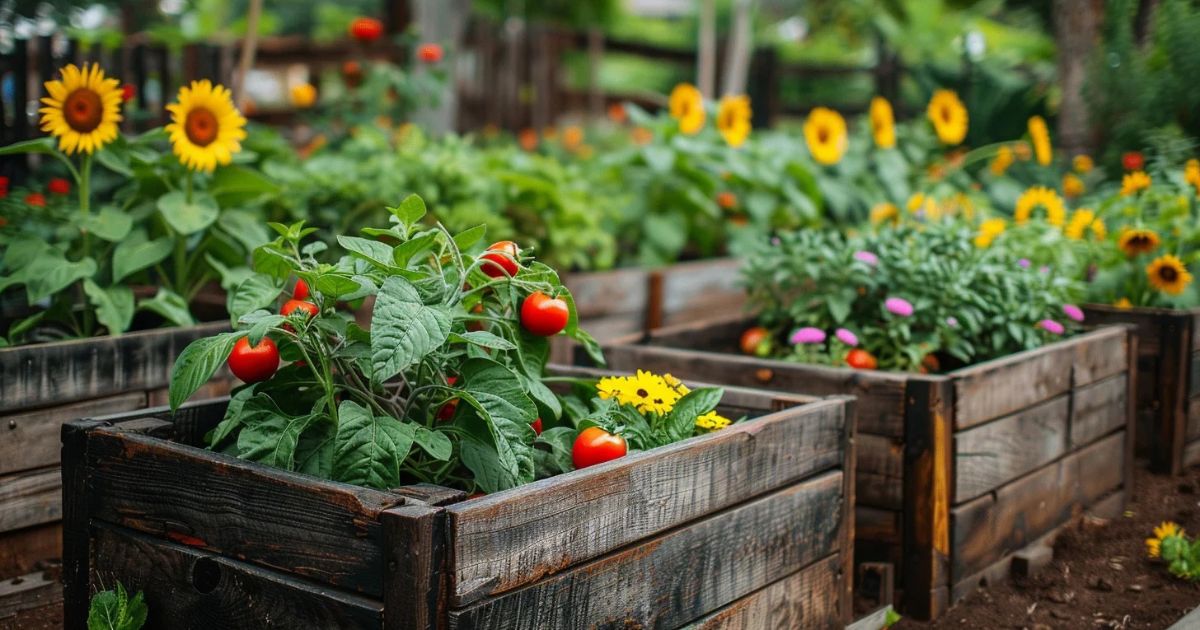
84, 181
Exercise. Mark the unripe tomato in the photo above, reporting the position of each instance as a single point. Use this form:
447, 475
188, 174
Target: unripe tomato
861, 359
366, 29
596, 446
753, 338
537, 426
543, 315
301, 290
256, 364
501, 259
291, 306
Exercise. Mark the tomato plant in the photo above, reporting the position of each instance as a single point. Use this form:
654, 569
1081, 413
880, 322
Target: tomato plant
543, 315
502, 258
753, 339
254, 364
861, 359
594, 446
300, 292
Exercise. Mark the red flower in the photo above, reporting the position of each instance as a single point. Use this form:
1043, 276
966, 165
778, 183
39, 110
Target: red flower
36, 199
1133, 161
128, 91
4, 183
429, 53
59, 186
366, 29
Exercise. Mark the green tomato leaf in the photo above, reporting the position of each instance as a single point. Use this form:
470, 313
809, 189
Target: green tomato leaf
681, 421
136, 253
495, 414
371, 251
233, 416
435, 443
411, 210
369, 449
403, 329
314, 451
197, 364
48, 274
256, 292
114, 305
188, 218
268, 435
483, 339
109, 224
554, 447
469, 237
170, 307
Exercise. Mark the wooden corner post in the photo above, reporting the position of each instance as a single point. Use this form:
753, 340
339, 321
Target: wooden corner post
928, 453
1173, 380
415, 580
76, 534
846, 538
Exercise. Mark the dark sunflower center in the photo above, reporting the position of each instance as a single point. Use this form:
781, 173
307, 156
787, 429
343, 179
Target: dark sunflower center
1139, 242
1168, 273
83, 110
946, 115
201, 127
641, 393
822, 135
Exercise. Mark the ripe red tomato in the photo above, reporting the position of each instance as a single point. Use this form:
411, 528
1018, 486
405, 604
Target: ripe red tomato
501, 259
59, 186
301, 290
1133, 161
128, 92
291, 306
254, 364
537, 426
753, 338
861, 359
366, 29
429, 53
930, 364
36, 199
596, 446
543, 315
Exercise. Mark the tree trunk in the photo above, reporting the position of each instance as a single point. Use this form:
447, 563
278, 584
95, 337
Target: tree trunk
1077, 29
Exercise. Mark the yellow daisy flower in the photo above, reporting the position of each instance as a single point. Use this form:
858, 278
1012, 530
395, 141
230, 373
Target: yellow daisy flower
712, 421
1081, 220
1072, 186
1083, 164
1003, 160
1039, 134
687, 106
883, 123
206, 129
82, 109
1135, 241
825, 134
949, 116
1168, 274
1045, 198
1133, 182
885, 213
733, 119
652, 393
988, 231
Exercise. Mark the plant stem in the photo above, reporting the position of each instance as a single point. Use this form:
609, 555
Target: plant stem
85, 209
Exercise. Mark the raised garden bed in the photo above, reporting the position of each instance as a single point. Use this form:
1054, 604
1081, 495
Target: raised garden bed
955, 472
43, 386
1168, 394
747, 526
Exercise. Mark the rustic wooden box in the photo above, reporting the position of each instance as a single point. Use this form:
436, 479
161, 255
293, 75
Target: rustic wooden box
1168, 394
748, 527
43, 386
958, 471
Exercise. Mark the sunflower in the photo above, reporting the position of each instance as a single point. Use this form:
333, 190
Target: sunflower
1133, 182
825, 134
883, 123
205, 129
988, 231
1072, 186
1082, 163
1081, 220
1049, 201
1168, 274
712, 421
948, 115
885, 213
687, 106
1003, 160
82, 109
1135, 241
1040, 136
1166, 530
733, 119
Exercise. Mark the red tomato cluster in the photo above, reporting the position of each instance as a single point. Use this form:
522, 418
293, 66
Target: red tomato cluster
3, 187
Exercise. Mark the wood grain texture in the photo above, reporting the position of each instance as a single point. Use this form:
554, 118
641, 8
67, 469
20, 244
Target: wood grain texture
30, 439
29, 498
414, 584
801, 600
27, 550
1001, 387
27, 592
1147, 322
602, 294
1169, 436
691, 289
682, 575
1099, 409
1099, 354
515, 537
321, 530
990, 455
1193, 375
880, 472
928, 484
77, 556
185, 588
1193, 419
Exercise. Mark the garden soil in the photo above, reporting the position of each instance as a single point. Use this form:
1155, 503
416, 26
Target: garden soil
1100, 576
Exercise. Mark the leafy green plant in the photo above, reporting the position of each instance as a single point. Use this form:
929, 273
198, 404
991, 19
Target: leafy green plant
115, 610
1171, 544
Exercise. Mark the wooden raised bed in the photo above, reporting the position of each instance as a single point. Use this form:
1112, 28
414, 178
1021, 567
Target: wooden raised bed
43, 386
747, 527
1168, 395
956, 472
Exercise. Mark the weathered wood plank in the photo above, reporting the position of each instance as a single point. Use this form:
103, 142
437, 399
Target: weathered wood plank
1100, 354
77, 556
691, 289
1099, 409
1191, 453
606, 293
30, 439
240, 509
701, 565
555, 523
1147, 322
185, 588
990, 455
928, 479
34, 590
1193, 419
877, 620
1172, 393
415, 581
801, 600
1193, 374
880, 472
29, 498
1004, 386
27, 550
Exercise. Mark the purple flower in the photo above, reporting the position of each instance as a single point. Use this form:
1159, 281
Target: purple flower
808, 334
1051, 326
864, 256
898, 306
952, 322
846, 337
1073, 312
1024, 262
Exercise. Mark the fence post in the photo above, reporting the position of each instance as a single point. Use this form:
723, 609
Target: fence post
763, 88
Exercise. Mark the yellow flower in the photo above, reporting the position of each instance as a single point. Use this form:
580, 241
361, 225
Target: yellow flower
1040, 136
82, 109
205, 129
1072, 186
1099, 229
1082, 164
1153, 547
712, 421
304, 95
1191, 173
676, 384
1047, 199
948, 115
1168, 274
988, 231
825, 134
1123, 304
733, 119
1080, 221
1166, 530
687, 106
653, 394
925, 206
883, 123
618, 387
885, 213
1133, 182
1135, 241
1003, 160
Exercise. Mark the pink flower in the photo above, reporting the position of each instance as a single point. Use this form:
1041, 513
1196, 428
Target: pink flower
808, 334
846, 337
1051, 326
1024, 263
952, 322
898, 306
864, 256
1073, 312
